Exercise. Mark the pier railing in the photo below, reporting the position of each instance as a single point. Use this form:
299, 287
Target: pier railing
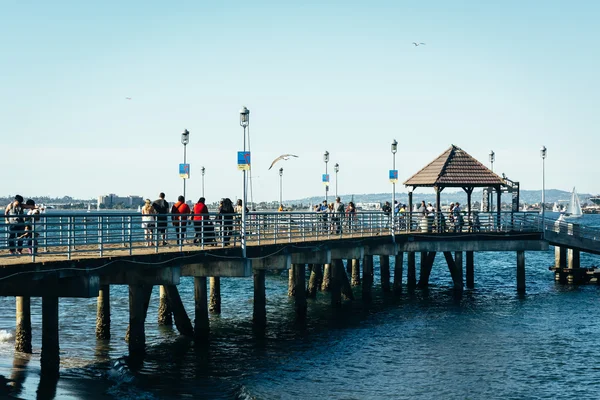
98, 233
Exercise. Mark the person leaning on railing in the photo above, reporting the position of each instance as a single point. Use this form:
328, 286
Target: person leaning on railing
16, 223
180, 221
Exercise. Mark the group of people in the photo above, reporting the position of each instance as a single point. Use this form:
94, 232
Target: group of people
336, 215
21, 225
155, 220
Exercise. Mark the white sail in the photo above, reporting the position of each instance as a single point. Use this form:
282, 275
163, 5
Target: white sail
555, 207
574, 208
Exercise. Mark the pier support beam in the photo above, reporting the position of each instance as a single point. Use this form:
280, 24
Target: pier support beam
355, 272
215, 295
300, 290
182, 321
201, 324
164, 308
326, 284
427, 259
521, 271
573, 258
259, 315
411, 273
50, 359
139, 298
292, 280
470, 268
384, 270
367, 280
103, 313
315, 280
23, 327
560, 257
349, 266
347, 292
398, 270
335, 285
455, 268
458, 260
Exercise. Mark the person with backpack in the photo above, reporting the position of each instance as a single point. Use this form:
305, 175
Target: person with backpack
161, 206
180, 216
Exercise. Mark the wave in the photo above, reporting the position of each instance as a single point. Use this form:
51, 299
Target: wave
6, 336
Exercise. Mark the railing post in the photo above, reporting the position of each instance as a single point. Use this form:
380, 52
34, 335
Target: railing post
100, 232
130, 235
289, 228
60, 233
69, 236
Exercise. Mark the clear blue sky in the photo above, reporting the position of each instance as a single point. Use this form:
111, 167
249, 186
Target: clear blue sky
340, 76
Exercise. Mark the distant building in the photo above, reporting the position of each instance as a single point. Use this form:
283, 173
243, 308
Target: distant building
111, 200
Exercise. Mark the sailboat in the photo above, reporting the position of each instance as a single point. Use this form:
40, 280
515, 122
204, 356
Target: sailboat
574, 208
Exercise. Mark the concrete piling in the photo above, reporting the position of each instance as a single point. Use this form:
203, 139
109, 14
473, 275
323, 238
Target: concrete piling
23, 325
520, 271
299, 290
367, 280
384, 269
326, 284
259, 316
182, 321
470, 269
50, 358
347, 292
411, 273
214, 306
458, 260
335, 287
164, 308
349, 266
315, 280
355, 272
201, 323
398, 270
139, 298
103, 313
292, 280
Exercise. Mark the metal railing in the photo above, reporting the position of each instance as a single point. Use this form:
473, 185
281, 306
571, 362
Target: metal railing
97, 233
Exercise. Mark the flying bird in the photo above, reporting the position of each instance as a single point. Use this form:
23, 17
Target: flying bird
282, 157
127, 98
418, 44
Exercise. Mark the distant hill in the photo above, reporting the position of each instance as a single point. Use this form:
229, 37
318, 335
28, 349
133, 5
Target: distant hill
525, 196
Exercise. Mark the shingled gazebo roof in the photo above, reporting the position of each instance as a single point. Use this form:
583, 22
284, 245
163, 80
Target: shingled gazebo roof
454, 168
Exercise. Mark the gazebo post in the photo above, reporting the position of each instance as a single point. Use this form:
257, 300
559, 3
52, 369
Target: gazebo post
469, 191
438, 205
498, 200
410, 208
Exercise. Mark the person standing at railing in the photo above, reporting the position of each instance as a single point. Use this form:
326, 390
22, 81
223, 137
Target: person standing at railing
202, 224
180, 221
148, 222
16, 224
161, 206
351, 215
324, 210
226, 212
33, 215
458, 217
337, 215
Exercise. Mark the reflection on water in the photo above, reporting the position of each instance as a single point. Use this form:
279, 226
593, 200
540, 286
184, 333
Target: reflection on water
488, 343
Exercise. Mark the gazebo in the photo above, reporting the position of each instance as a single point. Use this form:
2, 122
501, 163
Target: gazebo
455, 168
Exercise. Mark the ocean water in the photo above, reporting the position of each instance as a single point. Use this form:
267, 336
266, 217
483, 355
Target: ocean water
489, 343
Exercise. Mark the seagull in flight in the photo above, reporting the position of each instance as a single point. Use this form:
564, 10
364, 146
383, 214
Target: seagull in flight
127, 98
282, 157
418, 44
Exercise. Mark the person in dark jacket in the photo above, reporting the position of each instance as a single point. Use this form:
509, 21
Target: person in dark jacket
226, 212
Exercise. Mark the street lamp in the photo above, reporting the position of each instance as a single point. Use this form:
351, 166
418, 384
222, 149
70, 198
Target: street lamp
394, 150
492, 159
280, 186
336, 168
185, 139
543, 155
203, 171
244, 122
326, 159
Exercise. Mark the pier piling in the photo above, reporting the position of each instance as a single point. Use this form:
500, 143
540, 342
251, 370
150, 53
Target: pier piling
139, 298
164, 308
411, 273
299, 289
182, 321
335, 286
470, 269
314, 282
201, 323
292, 280
355, 272
259, 315
384, 270
520, 271
50, 358
367, 280
23, 325
326, 284
103, 313
398, 270
214, 306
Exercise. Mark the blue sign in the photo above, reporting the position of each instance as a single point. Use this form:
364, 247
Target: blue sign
184, 171
243, 160
325, 179
393, 175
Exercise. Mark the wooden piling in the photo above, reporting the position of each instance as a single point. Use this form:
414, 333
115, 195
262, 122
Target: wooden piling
520, 271
470, 268
384, 270
214, 306
23, 326
164, 308
182, 321
259, 315
201, 323
50, 359
314, 282
411, 273
300, 305
355, 272
292, 280
103, 313
398, 270
347, 292
335, 285
326, 284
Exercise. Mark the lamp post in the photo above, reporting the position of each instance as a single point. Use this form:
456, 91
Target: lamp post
280, 186
336, 168
203, 171
543, 155
492, 159
326, 159
185, 139
394, 150
244, 122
